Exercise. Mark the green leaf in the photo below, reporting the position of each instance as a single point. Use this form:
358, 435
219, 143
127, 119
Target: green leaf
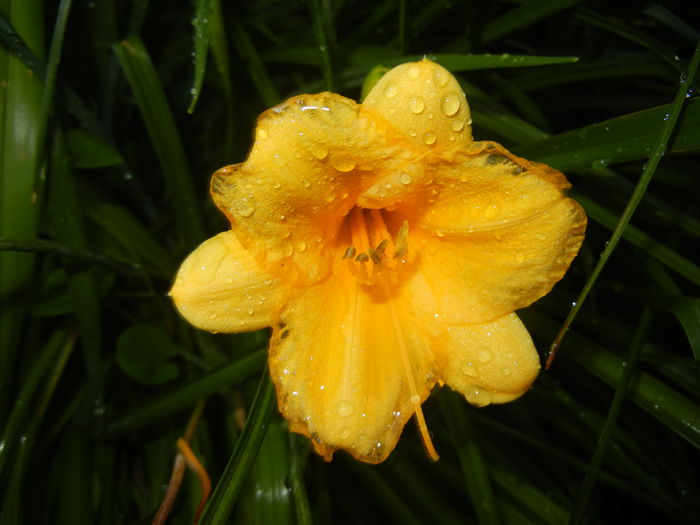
243, 458
91, 151
144, 353
200, 22
150, 97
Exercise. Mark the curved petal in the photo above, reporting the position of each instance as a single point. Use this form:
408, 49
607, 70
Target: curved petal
221, 288
312, 156
486, 241
493, 362
480, 276
425, 101
337, 359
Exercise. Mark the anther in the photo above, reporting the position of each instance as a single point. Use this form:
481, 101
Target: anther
401, 243
376, 258
349, 253
363, 257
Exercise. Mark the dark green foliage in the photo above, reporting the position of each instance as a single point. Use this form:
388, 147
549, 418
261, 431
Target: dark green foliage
114, 114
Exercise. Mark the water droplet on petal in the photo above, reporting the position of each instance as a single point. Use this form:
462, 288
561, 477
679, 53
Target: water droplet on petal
506, 371
345, 409
245, 209
319, 152
468, 369
484, 356
416, 105
442, 79
479, 398
301, 246
413, 72
344, 165
391, 91
306, 183
450, 105
415, 399
405, 178
429, 138
262, 133
457, 125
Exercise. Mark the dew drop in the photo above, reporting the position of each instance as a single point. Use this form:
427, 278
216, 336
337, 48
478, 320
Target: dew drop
450, 105
416, 105
413, 72
415, 399
484, 356
344, 409
344, 433
344, 165
479, 398
441, 78
457, 125
319, 152
306, 183
405, 178
245, 209
412, 132
300, 247
391, 91
468, 369
506, 371
262, 133
429, 138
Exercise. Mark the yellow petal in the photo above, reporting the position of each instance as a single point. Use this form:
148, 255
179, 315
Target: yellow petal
493, 362
312, 156
476, 277
486, 241
221, 288
337, 359
425, 101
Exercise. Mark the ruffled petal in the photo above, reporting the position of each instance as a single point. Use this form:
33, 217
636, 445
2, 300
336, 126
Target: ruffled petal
488, 236
312, 156
337, 359
221, 288
425, 101
493, 362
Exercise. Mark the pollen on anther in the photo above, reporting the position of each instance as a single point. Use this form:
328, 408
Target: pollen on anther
363, 257
349, 252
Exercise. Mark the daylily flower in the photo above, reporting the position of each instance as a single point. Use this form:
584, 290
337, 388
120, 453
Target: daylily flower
388, 251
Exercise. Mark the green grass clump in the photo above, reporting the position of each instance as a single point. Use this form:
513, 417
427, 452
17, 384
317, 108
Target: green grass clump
114, 114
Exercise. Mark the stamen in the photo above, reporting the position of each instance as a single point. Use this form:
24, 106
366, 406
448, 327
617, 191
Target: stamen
362, 257
413, 390
382, 246
376, 258
349, 253
401, 242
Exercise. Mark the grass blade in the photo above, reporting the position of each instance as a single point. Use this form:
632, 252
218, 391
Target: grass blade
20, 110
647, 173
229, 486
521, 17
144, 82
474, 468
200, 22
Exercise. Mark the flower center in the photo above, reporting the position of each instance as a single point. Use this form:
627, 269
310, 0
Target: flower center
373, 249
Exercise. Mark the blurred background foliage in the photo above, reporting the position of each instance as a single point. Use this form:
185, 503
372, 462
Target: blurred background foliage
113, 115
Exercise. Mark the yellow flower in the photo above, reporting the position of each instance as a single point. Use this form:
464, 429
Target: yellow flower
388, 251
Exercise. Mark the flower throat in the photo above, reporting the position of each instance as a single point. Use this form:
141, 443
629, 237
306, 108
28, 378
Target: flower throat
372, 248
